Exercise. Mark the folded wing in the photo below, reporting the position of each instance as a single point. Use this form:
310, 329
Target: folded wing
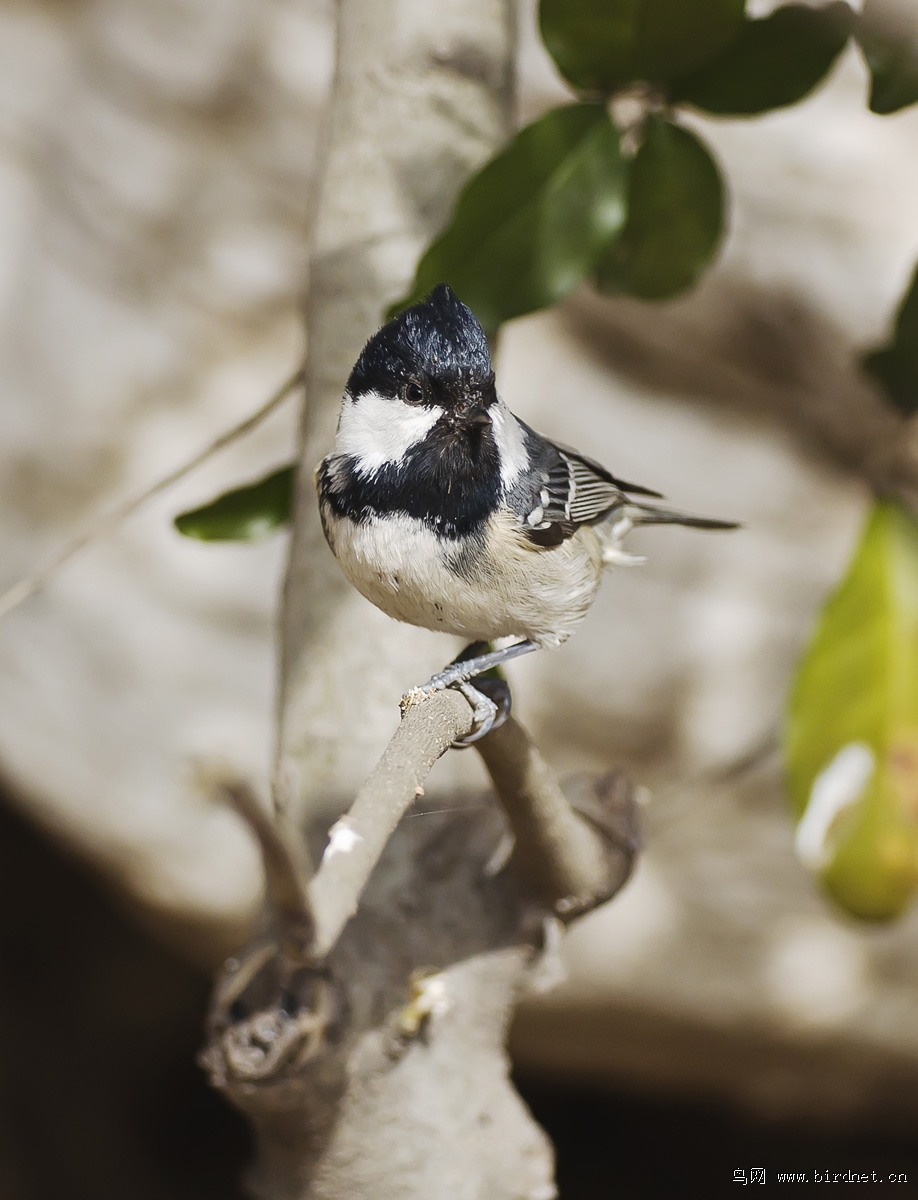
574, 490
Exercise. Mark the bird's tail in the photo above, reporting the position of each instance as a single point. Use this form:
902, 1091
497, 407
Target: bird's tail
625, 517
650, 514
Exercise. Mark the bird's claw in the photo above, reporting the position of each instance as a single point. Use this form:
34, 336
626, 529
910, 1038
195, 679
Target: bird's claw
490, 699
489, 696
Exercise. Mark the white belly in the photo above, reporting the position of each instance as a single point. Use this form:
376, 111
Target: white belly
513, 590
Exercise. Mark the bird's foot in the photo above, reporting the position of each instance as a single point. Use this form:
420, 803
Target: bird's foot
489, 696
490, 699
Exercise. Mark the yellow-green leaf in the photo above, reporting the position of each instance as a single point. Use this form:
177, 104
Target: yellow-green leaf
851, 740
244, 514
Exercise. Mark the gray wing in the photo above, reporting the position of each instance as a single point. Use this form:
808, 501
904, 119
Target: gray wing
566, 490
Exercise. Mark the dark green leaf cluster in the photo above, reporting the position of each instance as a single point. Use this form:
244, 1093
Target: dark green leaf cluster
565, 202
244, 514
604, 45
675, 216
771, 63
529, 227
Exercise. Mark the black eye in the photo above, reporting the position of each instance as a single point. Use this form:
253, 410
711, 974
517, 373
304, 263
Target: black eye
413, 392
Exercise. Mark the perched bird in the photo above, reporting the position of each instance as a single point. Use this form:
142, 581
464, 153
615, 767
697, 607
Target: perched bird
447, 511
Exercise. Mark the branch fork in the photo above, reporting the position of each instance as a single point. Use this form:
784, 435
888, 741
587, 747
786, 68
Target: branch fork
274, 1007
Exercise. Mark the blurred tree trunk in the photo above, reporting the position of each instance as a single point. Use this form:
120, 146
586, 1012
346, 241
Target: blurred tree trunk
423, 95
407, 1095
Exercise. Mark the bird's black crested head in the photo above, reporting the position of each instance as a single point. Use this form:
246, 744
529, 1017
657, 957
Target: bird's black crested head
416, 433
433, 353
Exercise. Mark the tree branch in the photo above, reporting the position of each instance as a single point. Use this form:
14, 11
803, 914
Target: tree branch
573, 861
107, 522
286, 867
357, 840
308, 910
314, 1042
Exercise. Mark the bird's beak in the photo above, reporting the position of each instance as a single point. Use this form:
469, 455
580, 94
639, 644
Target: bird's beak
477, 418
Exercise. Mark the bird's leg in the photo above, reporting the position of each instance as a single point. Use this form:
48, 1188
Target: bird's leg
472, 662
489, 696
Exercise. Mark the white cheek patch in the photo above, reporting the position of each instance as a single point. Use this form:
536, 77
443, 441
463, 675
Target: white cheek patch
376, 429
511, 442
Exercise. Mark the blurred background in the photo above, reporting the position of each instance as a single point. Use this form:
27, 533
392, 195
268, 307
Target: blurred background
156, 170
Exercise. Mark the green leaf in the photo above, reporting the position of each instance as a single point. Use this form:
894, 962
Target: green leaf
774, 62
895, 366
244, 514
891, 54
599, 45
851, 740
675, 216
529, 227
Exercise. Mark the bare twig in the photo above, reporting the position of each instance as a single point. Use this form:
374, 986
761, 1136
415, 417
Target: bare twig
574, 863
40, 578
286, 866
358, 839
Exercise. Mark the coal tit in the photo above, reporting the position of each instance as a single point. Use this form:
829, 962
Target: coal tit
447, 511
